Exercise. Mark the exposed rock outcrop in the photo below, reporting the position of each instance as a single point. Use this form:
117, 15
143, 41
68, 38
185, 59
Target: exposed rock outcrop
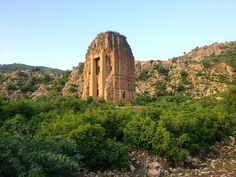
199, 54
74, 85
201, 72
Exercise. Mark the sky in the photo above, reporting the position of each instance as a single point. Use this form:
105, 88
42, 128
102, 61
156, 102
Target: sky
57, 33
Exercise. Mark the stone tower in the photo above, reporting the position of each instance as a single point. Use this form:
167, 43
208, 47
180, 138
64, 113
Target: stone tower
109, 68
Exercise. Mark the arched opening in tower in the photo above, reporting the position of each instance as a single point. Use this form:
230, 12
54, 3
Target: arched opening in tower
124, 95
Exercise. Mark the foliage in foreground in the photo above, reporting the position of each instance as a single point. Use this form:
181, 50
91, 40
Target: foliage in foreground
62, 136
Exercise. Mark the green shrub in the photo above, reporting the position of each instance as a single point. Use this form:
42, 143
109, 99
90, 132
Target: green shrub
59, 103
223, 78
200, 73
26, 157
139, 132
114, 155
144, 133
72, 88
143, 75
206, 63
114, 121
3, 78
46, 78
161, 69
90, 100
90, 138
22, 107
165, 144
160, 89
181, 87
229, 101
98, 152
29, 85
59, 83
184, 77
11, 87
143, 99
16, 126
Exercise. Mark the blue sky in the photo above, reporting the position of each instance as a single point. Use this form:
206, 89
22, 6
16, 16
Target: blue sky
57, 33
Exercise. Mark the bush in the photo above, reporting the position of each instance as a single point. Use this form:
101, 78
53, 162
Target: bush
161, 69
72, 88
98, 152
201, 128
160, 89
114, 121
150, 111
59, 83
139, 132
59, 104
11, 87
23, 107
90, 138
114, 155
165, 144
27, 157
184, 76
143, 99
3, 78
144, 133
181, 87
143, 75
29, 85
206, 63
229, 101
16, 126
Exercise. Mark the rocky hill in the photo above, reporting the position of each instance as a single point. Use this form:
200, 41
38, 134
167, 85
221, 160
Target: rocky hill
74, 84
203, 71
31, 83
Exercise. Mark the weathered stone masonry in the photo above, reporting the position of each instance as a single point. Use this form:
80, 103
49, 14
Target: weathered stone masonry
109, 68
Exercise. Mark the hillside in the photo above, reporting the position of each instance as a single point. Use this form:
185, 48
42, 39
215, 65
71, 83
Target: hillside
7, 68
20, 84
203, 71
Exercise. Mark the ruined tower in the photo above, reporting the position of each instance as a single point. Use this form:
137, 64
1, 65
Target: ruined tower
109, 68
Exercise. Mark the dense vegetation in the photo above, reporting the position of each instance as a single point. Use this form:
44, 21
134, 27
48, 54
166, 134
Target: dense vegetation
63, 136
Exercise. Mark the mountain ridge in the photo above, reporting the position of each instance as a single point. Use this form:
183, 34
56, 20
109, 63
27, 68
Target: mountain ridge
6, 68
